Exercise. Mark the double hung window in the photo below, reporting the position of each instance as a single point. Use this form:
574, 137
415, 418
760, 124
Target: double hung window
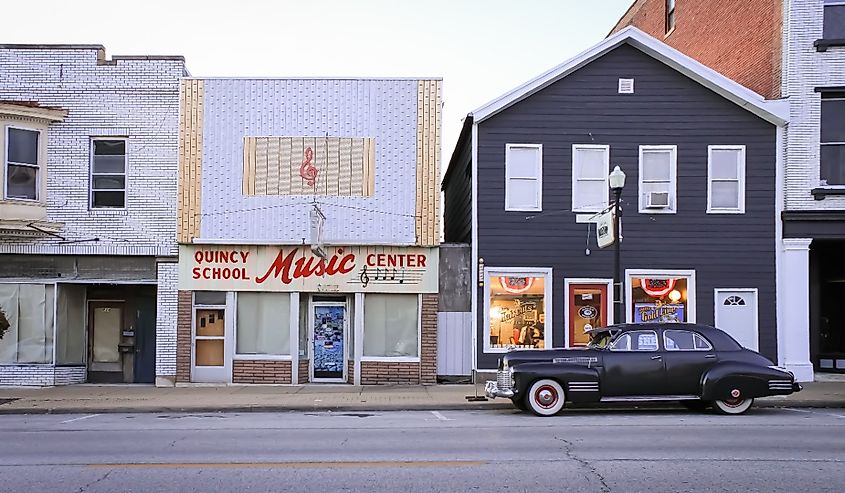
726, 179
658, 179
590, 165
23, 173
523, 177
108, 173
832, 162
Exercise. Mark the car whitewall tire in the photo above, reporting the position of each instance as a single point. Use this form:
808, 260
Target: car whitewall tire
545, 397
733, 406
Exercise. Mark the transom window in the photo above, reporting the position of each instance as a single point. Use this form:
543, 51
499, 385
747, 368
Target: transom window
523, 177
832, 162
638, 340
590, 165
108, 173
22, 170
834, 20
726, 179
658, 179
684, 340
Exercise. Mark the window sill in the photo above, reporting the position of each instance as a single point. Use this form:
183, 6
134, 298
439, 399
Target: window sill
261, 357
823, 44
108, 212
725, 211
820, 193
392, 359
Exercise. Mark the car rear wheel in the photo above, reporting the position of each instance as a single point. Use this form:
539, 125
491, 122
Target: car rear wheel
545, 397
733, 406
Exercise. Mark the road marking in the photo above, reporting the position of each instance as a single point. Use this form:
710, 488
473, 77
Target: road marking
439, 416
294, 465
80, 419
813, 412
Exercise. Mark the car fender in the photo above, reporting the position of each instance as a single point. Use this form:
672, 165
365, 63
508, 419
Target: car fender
720, 381
580, 383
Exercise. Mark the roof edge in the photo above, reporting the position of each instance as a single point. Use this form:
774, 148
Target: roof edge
463, 138
24, 46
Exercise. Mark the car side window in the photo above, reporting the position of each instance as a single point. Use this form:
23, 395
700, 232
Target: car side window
684, 340
640, 340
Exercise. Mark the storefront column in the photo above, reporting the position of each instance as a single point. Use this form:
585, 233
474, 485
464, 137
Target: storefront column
794, 340
294, 338
358, 328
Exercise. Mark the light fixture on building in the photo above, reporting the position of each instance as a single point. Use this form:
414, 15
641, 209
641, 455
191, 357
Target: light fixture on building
480, 272
675, 295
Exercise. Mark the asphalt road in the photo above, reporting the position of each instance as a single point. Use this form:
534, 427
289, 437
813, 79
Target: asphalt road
769, 450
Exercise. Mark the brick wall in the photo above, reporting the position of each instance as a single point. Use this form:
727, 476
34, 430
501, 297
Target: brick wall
183, 337
41, 375
166, 320
741, 40
303, 371
261, 371
385, 372
428, 342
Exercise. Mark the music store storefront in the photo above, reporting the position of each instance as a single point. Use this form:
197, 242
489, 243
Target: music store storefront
282, 314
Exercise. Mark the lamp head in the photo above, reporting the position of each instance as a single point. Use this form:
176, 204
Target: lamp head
617, 178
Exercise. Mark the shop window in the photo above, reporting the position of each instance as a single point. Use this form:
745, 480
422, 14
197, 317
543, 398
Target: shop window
263, 324
834, 20
71, 343
23, 172
832, 170
726, 179
28, 309
517, 306
108, 173
661, 297
523, 177
658, 179
391, 325
590, 165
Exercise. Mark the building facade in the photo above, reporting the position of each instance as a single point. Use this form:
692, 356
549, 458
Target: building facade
698, 222
308, 231
801, 42
87, 214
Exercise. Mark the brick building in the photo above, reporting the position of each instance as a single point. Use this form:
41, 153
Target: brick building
308, 230
793, 50
87, 214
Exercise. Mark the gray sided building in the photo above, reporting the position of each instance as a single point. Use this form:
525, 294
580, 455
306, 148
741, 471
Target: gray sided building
529, 179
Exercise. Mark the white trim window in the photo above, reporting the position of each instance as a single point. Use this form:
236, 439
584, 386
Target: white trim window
518, 308
590, 164
660, 295
658, 179
23, 171
524, 177
108, 173
392, 327
261, 325
833, 26
726, 179
832, 139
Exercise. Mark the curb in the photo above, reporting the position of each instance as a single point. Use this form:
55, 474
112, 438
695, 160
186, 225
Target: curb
380, 408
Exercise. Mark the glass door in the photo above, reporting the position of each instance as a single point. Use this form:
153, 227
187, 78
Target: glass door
328, 339
587, 308
211, 359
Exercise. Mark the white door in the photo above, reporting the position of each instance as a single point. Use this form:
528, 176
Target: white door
211, 358
736, 314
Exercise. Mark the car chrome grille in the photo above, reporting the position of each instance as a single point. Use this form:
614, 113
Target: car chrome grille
583, 386
780, 385
504, 379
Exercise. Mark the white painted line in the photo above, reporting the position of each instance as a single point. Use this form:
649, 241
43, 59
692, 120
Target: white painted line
439, 416
80, 419
814, 412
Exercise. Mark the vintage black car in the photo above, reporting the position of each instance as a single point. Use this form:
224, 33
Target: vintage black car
695, 364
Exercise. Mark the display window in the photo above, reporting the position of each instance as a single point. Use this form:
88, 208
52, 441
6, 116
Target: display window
661, 297
517, 306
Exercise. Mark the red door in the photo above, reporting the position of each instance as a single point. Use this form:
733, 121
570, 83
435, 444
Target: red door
588, 306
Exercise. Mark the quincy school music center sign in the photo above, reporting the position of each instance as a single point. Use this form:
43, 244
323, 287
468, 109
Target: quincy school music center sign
376, 269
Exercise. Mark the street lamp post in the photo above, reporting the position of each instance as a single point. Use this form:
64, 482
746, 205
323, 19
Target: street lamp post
617, 183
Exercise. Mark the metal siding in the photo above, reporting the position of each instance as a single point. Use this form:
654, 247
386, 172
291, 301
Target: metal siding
454, 343
382, 109
725, 250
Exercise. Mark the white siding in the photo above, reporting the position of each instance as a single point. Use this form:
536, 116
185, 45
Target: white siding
804, 70
383, 109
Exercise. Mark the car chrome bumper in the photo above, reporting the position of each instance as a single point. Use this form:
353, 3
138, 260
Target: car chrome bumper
796, 387
492, 390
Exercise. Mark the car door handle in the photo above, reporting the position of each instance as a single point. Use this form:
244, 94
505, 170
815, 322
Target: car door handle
656, 357
710, 356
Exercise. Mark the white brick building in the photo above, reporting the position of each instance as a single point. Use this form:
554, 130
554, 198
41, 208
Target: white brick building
88, 214
811, 268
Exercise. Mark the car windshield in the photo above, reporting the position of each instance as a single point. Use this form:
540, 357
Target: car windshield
599, 340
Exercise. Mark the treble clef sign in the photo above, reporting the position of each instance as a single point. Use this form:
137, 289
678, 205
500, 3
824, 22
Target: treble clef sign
365, 279
308, 171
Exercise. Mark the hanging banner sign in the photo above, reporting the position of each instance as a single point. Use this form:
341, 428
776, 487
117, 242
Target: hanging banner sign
296, 268
605, 235
653, 312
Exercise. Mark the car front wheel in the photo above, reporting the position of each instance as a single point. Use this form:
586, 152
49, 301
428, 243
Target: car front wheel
733, 406
545, 397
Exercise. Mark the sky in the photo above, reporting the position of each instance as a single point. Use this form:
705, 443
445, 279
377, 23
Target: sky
481, 48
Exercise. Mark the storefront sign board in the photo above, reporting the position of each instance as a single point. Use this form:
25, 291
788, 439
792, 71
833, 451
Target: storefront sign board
652, 312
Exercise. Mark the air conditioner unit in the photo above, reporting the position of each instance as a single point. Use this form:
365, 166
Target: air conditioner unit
657, 200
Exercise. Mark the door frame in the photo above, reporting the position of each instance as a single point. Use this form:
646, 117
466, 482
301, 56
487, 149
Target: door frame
716, 292
89, 336
228, 342
568, 282
311, 321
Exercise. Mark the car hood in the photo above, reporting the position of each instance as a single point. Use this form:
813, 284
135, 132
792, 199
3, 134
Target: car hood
534, 356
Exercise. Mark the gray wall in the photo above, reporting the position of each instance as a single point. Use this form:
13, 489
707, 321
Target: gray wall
726, 250
455, 277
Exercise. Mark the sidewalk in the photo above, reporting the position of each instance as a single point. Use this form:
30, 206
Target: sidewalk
254, 398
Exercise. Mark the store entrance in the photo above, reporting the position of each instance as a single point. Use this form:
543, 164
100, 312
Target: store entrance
827, 306
328, 337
